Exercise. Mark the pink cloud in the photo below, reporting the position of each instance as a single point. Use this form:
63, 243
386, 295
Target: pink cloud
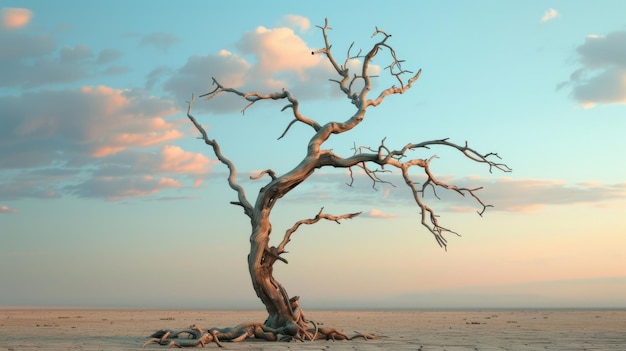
122, 124
524, 208
146, 185
375, 213
125, 140
105, 150
4, 209
177, 160
14, 18
278, 49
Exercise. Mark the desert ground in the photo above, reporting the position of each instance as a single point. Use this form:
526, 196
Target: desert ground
93, 329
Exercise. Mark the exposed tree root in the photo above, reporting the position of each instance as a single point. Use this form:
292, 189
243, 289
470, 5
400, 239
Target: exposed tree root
195, 336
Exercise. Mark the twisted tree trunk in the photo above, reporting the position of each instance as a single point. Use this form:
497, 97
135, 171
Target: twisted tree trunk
262, 257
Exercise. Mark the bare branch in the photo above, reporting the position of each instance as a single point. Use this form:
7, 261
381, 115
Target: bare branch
313, 220
287, 129
269, 172
383, 156
371, 173
232, 177
253, 97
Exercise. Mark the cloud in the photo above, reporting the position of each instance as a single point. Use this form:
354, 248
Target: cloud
278, 49
157, 74
71, 136
550, 14
602, 77
108, 55
139, 173
119, 188
375, 213
18, 46
177, 160
297, 22
13, 18
32, 59
528, 195
505, 194
160, 40
4, 209
74, 54
195, 76
266, 60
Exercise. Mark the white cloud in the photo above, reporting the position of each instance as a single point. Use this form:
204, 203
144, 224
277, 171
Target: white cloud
549, 15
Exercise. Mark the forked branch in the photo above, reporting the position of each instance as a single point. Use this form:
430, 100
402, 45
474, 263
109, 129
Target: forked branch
253, 97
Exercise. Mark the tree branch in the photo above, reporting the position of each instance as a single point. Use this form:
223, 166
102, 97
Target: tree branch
253, 97
317, 218
232, 177
269, 172
384, 156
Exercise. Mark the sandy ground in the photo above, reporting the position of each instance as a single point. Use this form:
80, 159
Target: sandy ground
74, 329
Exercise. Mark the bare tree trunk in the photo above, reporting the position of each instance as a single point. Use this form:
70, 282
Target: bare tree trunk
262, 257
261, 269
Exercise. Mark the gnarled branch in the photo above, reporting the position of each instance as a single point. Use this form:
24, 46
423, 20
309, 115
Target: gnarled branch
232, 177
320, 215
253, 97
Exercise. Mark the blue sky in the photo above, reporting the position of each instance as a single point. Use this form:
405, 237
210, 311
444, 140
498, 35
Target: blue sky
107, 199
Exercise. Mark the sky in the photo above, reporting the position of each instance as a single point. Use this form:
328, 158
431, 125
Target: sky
108, 198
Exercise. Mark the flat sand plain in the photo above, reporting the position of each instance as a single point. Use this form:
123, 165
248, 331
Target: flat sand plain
77, 329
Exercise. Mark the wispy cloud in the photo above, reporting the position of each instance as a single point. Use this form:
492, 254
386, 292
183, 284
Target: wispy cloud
376, 213
13, 18
4, 209
550, 14
602, 77
119, 188
160, 40
505, 194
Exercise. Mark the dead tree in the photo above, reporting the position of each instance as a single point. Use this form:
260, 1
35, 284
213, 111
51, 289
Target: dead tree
285, 317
